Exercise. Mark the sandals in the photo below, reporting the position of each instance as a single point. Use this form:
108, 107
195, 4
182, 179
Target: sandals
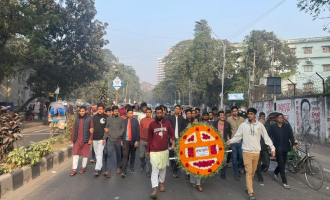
199, 188
194, 185
153, 195
73, 173
162, 188
82, 171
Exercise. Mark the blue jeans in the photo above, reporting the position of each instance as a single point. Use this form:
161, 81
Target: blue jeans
112, 146
237, 156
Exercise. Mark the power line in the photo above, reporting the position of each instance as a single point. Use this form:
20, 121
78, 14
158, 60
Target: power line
145, 34
255, 21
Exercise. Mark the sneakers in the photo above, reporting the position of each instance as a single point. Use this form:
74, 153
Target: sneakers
261, 182
223, 176
123, 174
142, 168
175, 175
275, 177
132, 171
286, 186
237, 178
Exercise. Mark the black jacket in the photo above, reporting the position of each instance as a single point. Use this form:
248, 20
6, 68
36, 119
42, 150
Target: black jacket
281, 137
263, 145
181, 124
135, 129
226, 129
186, 123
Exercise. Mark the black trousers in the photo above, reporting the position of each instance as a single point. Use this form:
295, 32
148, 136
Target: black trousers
264, 158
128, 148
228, 156
281, 157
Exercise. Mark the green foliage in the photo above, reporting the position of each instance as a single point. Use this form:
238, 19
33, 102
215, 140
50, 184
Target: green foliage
327, 85
69, 126
31, 155
201, 61
4, 168
287, 75
319, 9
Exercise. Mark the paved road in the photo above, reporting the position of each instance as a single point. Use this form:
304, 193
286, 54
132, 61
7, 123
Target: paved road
36, 134
59, 185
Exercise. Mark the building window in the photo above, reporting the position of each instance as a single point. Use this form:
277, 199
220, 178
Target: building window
308, 68
326, 49
308, 86
290, 86
308, 50
326, 68
293, 50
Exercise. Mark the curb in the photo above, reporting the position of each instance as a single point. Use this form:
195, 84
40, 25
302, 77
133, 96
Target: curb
19, 177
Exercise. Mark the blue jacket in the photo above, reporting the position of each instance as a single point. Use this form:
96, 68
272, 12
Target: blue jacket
135, 128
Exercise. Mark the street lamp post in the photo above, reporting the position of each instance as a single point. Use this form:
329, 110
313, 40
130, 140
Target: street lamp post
116, 69
224, 62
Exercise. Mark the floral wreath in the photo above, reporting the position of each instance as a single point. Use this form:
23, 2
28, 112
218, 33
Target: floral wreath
200, 150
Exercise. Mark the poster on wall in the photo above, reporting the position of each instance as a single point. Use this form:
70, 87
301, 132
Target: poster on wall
308, 116
284, 107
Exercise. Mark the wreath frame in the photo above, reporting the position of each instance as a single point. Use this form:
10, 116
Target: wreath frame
177, 151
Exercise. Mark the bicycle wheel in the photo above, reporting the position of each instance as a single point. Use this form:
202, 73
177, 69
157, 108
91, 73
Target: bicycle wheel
314, 173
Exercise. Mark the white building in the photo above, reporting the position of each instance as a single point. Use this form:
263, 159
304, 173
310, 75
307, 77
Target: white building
15, 90
161, 67
314, 57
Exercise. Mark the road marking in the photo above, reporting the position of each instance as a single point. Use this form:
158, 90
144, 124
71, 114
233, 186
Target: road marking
42, 130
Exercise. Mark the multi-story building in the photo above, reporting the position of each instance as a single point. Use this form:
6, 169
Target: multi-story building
160, 70
314, 57
161, 67
15, 90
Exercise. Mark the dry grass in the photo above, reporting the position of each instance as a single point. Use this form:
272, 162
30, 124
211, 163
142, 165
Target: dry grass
61, 144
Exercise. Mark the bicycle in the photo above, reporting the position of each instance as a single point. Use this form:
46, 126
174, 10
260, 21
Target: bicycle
308, 165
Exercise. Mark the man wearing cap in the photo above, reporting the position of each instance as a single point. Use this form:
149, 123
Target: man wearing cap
122, 110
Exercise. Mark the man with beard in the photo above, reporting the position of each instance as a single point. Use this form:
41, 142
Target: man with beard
82, 137
157, 149
144, 127
99, 121
177, 123
198, 114
112, 139
205, 118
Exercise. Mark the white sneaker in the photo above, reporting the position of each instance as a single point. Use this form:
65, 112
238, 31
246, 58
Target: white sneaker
286, 186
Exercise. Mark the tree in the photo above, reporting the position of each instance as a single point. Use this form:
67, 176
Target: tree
103, 98
146, 91
75, 44
24, 24
316, 8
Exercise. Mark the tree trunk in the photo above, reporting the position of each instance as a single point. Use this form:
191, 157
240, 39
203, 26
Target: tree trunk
27, 103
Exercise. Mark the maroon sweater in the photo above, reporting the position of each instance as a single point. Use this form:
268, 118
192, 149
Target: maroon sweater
158, 135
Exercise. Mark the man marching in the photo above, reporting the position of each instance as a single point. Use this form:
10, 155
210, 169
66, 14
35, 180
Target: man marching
82, 137
144, 128
157, 149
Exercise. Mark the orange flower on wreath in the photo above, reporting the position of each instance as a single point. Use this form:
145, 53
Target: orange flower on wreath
201, 150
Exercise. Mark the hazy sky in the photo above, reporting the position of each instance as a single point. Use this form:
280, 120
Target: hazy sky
172, 21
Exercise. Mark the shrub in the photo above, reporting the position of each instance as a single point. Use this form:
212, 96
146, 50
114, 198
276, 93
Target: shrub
9, 133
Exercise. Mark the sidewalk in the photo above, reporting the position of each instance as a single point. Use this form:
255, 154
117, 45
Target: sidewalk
322, 154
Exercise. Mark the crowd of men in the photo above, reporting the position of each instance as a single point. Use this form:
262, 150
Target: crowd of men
123, 130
